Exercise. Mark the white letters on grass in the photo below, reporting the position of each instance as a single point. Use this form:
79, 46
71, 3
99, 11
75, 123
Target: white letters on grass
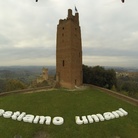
29, 118
99, 117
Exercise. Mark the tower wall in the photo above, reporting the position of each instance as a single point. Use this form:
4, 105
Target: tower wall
69, 52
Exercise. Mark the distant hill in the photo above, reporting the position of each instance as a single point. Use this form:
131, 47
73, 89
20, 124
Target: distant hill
22, 72
33, 69
122, 69
25, 74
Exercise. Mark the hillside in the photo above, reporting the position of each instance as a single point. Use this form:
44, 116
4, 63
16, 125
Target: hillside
68, 105
22, 74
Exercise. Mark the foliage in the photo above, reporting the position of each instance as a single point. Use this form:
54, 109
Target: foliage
25, 74
18, 74
128, 83
99, 76
13, 84
2, 85
130, 87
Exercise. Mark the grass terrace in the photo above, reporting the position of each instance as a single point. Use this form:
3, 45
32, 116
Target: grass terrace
68, 104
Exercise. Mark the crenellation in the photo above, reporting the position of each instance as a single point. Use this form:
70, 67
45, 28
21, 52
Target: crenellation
70, 16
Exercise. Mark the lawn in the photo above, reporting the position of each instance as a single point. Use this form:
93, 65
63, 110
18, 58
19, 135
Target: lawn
68, 104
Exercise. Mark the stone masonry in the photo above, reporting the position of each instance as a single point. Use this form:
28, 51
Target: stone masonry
69, 52
43, 77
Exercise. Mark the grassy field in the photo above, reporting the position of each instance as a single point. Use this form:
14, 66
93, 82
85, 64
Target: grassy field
68, 104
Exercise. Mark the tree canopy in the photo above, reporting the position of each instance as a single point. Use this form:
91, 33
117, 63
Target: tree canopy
99, 76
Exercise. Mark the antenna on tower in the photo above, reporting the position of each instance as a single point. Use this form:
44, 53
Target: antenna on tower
76, 10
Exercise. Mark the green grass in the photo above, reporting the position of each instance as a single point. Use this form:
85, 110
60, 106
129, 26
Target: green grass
68, 104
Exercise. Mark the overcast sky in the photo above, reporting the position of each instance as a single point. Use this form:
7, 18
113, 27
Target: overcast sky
109, 31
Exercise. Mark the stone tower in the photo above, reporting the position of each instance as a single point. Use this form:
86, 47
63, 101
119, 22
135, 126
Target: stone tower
45, 73
43, 76
69, 52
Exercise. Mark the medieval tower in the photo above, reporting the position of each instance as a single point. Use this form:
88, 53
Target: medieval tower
69, 52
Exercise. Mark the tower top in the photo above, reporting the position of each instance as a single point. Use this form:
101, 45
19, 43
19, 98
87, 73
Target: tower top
74, 18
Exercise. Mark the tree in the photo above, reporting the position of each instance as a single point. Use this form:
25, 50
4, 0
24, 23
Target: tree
14, 84
110, 78
130, 87
87, 76
99, 76
2, 85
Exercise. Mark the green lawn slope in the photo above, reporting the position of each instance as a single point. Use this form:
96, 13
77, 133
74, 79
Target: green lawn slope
68, 104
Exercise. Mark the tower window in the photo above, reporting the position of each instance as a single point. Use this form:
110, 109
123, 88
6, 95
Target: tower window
62, 34
63, 63
75, 82
63, 28
79, 54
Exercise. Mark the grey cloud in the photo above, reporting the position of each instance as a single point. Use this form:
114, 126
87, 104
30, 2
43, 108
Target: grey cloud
4, 40
26, 53
28, 29
109, 52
